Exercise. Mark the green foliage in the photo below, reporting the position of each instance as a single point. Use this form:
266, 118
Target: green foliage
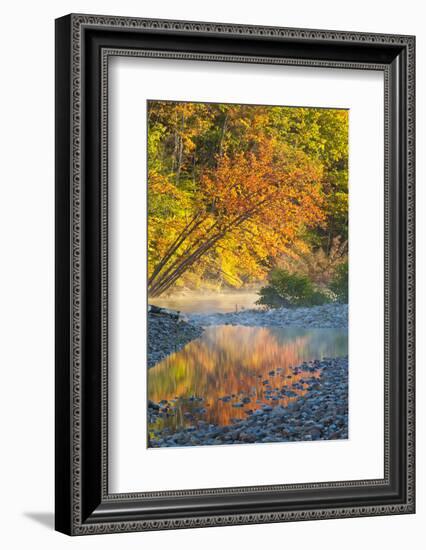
340, 283
323, 135
291, 290
270, 298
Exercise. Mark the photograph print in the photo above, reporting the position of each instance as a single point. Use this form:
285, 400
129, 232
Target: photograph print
247, 274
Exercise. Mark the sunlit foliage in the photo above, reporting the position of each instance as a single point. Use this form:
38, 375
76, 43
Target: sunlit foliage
233, 188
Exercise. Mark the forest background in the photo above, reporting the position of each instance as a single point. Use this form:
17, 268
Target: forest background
248, 196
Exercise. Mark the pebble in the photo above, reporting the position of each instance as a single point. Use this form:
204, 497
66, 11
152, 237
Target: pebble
322, 413
166, 335
325, 316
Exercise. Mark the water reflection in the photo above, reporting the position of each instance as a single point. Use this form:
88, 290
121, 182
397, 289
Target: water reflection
230, 370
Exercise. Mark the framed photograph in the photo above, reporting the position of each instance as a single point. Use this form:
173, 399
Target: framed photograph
234, 274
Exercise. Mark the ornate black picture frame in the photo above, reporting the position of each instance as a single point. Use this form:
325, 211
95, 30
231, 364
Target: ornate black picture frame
83, 45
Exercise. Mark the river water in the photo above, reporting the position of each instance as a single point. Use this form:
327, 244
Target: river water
233, 362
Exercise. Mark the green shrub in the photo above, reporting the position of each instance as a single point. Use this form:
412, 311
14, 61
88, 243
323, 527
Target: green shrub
290, 290
340, 283
270, 298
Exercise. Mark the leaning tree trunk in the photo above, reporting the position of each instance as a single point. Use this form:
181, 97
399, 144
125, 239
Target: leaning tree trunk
165, 276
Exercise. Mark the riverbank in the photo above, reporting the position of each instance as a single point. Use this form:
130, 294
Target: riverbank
168, 334
326, 316
320, 413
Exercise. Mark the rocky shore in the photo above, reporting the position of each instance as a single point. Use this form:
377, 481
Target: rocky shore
320, 413
326, 316
167, 334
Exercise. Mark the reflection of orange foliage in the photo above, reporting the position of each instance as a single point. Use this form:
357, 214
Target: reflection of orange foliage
229, 360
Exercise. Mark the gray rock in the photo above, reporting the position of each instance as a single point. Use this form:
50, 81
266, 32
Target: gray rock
321, 413
325, 316
167, 334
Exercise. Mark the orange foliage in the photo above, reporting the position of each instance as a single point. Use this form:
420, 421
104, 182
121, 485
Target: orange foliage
262, 198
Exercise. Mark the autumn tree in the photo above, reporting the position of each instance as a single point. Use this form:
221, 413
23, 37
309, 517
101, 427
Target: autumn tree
231, 188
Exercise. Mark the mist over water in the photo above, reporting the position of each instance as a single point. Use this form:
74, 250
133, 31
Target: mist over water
209, 302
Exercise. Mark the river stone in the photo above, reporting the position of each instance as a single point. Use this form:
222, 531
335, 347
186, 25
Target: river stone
301, 420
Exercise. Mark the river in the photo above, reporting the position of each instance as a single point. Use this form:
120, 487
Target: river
206, 379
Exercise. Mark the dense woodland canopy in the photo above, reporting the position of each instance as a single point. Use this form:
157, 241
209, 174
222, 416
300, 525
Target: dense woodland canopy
237, 190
